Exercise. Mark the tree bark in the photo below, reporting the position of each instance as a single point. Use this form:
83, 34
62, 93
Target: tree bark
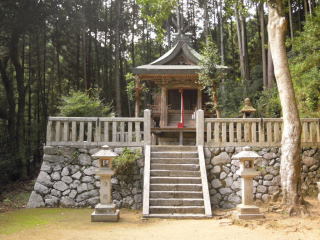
117, 59
206, 20
11, 112
263, 43
239, 40
215, 101
222, 53
291, 136
243, 47
290, 18
270, 74
19, 71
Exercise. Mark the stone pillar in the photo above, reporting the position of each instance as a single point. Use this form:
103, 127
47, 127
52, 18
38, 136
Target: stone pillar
147, 126
200, 127
318, 183
247, 187
105, 189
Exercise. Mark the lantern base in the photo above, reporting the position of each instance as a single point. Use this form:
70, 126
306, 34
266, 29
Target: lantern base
105, 213
248, 212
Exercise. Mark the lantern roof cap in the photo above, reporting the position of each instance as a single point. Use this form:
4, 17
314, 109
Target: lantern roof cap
105, 152
246, 154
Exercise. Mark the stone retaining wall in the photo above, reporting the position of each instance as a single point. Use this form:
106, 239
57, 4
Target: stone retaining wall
224, 183
67, 179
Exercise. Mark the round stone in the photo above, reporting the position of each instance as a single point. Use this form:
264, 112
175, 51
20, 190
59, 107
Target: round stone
216, 183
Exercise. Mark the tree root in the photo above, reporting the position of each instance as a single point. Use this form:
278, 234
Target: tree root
298, 210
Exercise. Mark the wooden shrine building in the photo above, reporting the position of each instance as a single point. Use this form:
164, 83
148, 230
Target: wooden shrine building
175, 74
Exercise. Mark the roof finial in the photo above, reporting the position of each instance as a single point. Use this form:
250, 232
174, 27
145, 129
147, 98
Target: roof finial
181, 30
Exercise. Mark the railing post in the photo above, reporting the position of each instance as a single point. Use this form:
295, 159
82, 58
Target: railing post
200, 127
147, 126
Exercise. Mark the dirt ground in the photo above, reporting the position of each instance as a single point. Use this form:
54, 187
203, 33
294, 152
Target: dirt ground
74, 224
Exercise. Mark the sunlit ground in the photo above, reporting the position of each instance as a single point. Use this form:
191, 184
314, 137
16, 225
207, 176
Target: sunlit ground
75, 224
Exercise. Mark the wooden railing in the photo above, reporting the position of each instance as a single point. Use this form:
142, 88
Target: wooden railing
98, 131
255, 132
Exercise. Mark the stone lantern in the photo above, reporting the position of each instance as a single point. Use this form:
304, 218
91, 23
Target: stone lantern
247, 109
105, 211
246, 210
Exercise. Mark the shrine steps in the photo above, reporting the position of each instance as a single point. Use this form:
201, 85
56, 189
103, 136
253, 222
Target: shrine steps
175, 184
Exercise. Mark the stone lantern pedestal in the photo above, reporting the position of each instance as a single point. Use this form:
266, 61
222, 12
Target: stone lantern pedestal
318, 184
105, 211
246, 210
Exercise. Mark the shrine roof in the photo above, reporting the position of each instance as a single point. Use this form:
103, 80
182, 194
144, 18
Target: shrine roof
181, 59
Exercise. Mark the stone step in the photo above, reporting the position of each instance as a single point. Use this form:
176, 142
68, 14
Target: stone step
176, 194
176, 202
175, 187
174, 154
182, 167
174, 173
178, 215
171, 148
175, 160
196, 180
176, 209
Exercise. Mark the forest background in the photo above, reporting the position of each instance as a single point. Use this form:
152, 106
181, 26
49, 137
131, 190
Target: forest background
51, 50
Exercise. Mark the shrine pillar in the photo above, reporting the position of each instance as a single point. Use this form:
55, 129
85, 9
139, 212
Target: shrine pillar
199, 99
137, 97
163, 107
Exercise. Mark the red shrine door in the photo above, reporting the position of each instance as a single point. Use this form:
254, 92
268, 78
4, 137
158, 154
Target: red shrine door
181, 105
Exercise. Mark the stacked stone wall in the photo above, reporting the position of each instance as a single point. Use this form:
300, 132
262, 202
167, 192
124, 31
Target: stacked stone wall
67, 179
224, 182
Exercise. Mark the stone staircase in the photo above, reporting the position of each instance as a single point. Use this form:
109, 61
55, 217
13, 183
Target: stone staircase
175, 183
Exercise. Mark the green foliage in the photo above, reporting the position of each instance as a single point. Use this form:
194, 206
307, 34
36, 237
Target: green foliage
268, 103
123, 164
131, 85
304, 67
157, 12
80, 104
209, 74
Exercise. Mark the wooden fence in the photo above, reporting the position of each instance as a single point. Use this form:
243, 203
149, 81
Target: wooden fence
255, 132
98, 131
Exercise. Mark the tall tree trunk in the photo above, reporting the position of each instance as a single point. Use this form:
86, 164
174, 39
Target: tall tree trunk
206, 20
305, 7
290, 18
239, 41
117, 59
77, 70
243, 48
263, 43
244, 42
270, 74
291, 135
221, 33
84, 58
19, 71
215, 101
10, 98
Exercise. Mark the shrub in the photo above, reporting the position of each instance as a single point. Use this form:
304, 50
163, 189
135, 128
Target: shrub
123, 164
80, 104
268, 104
